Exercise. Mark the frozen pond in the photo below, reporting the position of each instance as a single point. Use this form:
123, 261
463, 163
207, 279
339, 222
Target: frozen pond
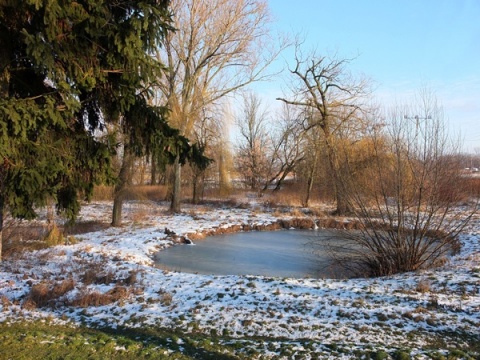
284, 253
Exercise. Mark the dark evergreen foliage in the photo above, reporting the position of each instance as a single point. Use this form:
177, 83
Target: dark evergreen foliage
67, 70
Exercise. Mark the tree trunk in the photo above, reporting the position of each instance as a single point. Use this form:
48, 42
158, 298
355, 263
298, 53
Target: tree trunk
177, 183
50, 214
4, 92
195, 185
153, 170
287, 171
2, 205
223, 176
339, 181
121, 187
198, 185
143, 170
343, 205
311, 176
117, 211
342, 195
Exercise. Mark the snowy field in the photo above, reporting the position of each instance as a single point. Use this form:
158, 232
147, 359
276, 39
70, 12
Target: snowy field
416, 311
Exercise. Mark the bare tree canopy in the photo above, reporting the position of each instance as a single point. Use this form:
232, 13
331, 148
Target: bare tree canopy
324, 87
219, 46
252, 158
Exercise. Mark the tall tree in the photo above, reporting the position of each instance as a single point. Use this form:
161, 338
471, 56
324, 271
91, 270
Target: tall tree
219, 47
288, 146
66, 70
252, 159
325, 87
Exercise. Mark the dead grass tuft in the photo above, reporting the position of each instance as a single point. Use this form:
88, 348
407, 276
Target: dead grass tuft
132, 278
5, 302
423, 286
103, 193
297, 213
88, 298
47, 293
318, 212
139, 216
198, 210
40, 294
19, 236
165, 298
86, 227
284, 197
136, 192
96, 275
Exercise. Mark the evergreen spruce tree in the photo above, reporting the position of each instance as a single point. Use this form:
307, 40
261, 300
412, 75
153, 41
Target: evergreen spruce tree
67, 70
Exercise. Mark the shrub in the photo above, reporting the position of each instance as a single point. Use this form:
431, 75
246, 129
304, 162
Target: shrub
401, 355
54, 237
380, 355
406, 207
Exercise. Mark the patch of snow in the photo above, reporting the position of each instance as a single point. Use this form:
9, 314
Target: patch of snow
389, 310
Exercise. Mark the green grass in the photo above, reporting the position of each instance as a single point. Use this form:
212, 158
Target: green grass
40, 340
44, 340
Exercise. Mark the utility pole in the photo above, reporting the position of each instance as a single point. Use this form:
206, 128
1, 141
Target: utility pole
417, 119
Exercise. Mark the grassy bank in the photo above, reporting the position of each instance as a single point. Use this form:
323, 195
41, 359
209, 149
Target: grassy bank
43, 340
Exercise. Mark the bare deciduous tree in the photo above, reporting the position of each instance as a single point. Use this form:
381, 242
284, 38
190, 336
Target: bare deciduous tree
288, 146
325, 88
254, 142
219, 46
209, 133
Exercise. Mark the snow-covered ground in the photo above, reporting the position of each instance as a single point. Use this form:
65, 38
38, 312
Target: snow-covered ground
410, 311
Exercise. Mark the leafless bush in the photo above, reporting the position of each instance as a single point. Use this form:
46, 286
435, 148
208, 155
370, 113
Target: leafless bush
407, 207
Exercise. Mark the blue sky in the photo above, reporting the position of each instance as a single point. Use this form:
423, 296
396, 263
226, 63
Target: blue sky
402, 45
